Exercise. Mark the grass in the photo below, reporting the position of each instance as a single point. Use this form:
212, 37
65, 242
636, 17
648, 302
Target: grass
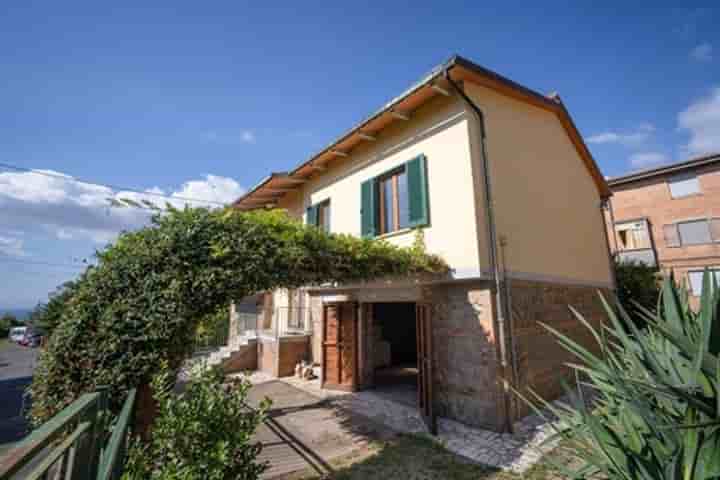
412, 457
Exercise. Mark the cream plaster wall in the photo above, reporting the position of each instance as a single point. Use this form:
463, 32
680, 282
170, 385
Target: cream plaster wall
547, 207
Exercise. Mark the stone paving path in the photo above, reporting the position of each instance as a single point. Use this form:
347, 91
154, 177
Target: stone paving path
511, 452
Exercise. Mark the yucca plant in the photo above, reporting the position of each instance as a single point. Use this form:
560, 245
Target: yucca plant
655, 408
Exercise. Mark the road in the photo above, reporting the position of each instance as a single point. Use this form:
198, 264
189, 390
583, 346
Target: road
16, 369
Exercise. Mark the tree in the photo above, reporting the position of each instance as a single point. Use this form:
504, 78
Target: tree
141, 303
7, 321
46, 316
637, 284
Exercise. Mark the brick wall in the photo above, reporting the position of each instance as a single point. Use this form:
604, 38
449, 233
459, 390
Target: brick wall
650, 198
539, 357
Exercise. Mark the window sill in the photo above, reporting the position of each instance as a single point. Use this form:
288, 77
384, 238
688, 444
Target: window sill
396, 233
689, 195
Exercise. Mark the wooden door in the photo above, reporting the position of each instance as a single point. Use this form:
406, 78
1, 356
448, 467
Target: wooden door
340, 346
423, 319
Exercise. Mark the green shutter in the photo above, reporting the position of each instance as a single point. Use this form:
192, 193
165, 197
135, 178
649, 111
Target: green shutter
417, 191
312, 215
367, 208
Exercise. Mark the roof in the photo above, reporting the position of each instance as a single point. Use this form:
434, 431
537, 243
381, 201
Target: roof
685, 165
400, 108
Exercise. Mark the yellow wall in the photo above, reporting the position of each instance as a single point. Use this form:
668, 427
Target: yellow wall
547, 207
439, 130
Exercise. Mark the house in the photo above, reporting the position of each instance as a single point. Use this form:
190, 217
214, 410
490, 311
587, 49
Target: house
669, 217
493, 177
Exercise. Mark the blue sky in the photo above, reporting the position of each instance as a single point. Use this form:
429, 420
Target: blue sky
203, 99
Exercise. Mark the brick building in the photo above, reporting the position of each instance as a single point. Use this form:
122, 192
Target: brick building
670, 217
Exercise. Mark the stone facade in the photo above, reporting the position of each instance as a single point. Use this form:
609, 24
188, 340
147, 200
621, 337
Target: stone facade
466, 363
540, 359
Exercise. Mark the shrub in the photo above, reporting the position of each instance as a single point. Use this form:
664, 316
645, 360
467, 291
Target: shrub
8, 321
47, 316
141, 303
637, 283
657, 408
203, 433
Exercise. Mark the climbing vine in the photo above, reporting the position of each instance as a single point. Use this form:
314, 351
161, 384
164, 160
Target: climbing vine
140, 304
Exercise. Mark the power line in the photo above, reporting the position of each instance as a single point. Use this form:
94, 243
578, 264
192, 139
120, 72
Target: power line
38, 262
106, 185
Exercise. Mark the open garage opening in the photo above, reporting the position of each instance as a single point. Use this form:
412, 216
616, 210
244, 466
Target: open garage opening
395, 351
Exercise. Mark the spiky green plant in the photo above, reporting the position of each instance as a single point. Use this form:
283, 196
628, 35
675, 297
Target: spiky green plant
655, 412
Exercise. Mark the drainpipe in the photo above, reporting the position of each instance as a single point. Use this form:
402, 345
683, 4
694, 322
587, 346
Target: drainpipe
497, 274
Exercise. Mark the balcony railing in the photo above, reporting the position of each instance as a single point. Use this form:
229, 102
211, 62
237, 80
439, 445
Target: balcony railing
644, 255
274, 323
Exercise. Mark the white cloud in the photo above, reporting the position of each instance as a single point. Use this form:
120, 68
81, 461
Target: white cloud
702, 53
702, 120
648, 159
632, 138
12, 247
72, 210
247, 136
228, 137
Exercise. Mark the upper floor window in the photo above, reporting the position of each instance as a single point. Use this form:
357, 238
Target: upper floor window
633, 235
684, 185
695, 280
395, 200
692, 232
319, 215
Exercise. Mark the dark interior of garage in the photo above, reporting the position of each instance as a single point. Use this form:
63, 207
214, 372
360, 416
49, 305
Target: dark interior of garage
395, 350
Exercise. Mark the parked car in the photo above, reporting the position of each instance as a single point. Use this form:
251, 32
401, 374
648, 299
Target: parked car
17, 333
35, 339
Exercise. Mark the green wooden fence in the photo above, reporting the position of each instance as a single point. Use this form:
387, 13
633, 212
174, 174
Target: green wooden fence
76, 444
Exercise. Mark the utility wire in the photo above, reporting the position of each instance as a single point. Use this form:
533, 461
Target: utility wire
37, 262
106, 185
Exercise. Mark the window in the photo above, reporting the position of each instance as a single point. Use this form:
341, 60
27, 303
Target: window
684, 185
694, 233
695, 280
319, 215
395, 200
633, 235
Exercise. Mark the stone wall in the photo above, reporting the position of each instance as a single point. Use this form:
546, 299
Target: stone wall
466, 365
540, 358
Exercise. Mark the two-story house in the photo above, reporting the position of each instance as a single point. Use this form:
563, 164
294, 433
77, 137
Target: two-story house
493, 177
669, 217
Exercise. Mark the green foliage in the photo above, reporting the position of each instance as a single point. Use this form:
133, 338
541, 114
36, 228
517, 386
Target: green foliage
657, 408
637, 283
213, 329
47, 316
142, 302
203, 433
7, 321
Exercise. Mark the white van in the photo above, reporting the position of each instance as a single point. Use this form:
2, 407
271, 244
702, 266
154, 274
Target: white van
17, 333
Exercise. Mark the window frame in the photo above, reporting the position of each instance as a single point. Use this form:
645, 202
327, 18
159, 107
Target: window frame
683, 177
676, 226
322, 211
393, 176
631, 226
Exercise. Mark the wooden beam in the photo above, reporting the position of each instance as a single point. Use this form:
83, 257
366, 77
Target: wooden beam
278, 190
367, 136
319, 168
440, 90
400, 115
339, 153
296, 181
